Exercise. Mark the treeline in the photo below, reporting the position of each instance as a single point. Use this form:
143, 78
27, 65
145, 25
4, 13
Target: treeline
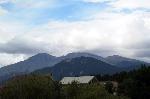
134, 84
43, 87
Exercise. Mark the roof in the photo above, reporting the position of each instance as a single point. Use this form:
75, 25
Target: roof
81, 79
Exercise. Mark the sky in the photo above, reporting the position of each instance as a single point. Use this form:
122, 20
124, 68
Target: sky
58, 27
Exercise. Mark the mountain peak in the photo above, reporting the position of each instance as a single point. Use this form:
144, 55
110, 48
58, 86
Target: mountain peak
82, 58
119, 58
76, 54
84, 54
123, 61
42, 56
81, 66
116, 56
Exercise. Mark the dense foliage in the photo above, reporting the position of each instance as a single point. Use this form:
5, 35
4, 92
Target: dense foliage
92, 91
134, 84
29, 87
43, 87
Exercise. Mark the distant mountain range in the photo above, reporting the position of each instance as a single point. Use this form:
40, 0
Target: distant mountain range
95, 64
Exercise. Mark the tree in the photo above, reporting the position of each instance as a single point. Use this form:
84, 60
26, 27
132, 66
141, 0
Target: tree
30, 87
109, 87
137, 85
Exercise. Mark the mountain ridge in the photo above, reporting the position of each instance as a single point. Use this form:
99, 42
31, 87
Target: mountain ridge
43, 60
121, 61
79, 66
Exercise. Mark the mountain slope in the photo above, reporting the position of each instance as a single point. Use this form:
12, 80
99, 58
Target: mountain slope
124, 62
33, 63
79, 66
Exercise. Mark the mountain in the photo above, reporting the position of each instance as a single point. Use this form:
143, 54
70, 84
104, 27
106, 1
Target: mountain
124, 62
36, 62
39, 61
44, 60
84, 54
79, 66
33, 63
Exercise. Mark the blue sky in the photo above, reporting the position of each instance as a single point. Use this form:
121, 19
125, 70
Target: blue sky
34, 12
58, 27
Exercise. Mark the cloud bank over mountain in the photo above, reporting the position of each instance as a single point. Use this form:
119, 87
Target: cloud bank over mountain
57, 27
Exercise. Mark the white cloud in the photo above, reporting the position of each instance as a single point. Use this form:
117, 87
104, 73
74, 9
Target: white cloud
106, 33
10, 58
107, 29
8, 30
3, 11
131, 4
34, 3
4, 1
114, 33
95, 1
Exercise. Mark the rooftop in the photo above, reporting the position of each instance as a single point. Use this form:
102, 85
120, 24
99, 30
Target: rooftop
81, 79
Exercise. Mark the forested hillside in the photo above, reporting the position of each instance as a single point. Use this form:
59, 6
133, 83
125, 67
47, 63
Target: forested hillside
134, 84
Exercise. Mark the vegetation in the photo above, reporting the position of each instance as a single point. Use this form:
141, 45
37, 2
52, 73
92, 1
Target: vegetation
43, 87
134, 84
29, 87
92, 91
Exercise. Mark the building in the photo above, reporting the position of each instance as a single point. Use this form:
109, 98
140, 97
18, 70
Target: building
80, 80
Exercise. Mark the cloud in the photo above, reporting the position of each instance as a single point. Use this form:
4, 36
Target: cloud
105, 33
141, 49
3, 11
131, 4
22, 47
4, 1
34, 4
10, 29
11, 58
94, 1
118, 32
99, 1
115, 31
